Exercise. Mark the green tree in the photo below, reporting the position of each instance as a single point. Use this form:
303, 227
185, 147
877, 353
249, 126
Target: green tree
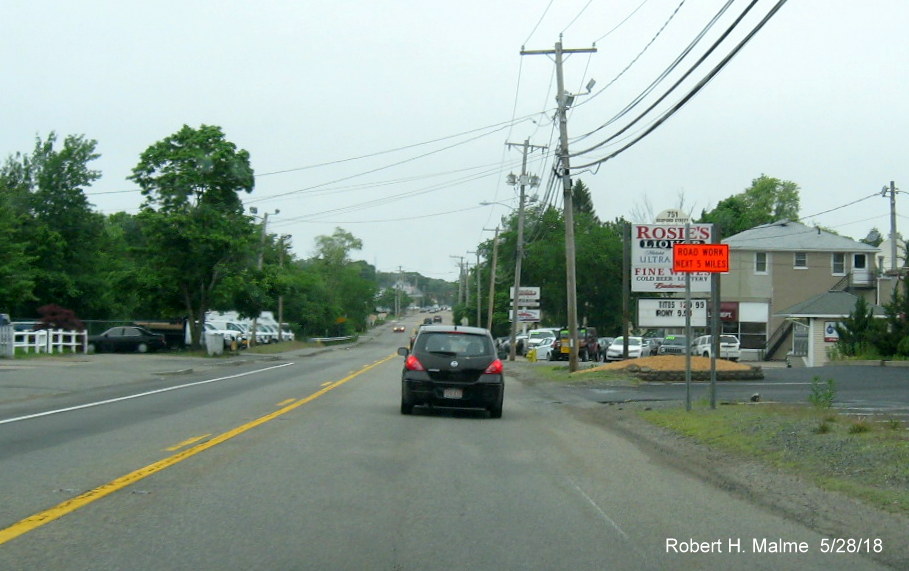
45, 192
195, 232
857, 331
767, 200
352, 283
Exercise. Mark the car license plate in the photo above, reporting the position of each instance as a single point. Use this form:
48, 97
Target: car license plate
452, 393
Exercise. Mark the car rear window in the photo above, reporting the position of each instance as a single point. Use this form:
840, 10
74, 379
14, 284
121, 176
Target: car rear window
728, 339
453, 342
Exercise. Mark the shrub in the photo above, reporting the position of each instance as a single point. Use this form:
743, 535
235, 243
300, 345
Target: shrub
822, 395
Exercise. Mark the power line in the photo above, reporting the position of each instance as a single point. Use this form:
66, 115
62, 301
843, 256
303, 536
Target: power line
695, 90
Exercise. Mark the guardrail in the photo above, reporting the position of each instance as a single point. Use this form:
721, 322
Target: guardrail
41, 341
333, 340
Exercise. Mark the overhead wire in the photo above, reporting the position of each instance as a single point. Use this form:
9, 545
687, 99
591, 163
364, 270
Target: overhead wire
694, 91
637, 57
678, 82
663, 75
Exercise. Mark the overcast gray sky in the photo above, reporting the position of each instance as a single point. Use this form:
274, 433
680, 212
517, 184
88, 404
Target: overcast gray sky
389, 118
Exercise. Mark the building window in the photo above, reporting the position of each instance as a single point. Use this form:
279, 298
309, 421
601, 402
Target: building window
760, 262
801, 261
859, 262
839, 264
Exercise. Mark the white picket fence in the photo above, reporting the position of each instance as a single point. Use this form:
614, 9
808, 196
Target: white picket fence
43, 341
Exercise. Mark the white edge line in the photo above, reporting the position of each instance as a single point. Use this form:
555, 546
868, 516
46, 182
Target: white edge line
138, 395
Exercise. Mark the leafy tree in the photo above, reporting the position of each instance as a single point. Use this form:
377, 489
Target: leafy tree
195, 232
17, 275
767, 200
897, 319
54, 220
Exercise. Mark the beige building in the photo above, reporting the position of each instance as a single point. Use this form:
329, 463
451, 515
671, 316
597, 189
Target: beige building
780, 265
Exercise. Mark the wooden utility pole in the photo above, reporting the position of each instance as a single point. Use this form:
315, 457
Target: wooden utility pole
565, 100
492, 280
519, 256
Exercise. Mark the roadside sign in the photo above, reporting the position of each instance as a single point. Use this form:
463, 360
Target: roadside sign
651, 257
671, 312
527, 315
712, 258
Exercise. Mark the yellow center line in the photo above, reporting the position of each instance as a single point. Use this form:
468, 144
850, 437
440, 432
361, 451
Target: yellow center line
285, 402
187, 442
35, 521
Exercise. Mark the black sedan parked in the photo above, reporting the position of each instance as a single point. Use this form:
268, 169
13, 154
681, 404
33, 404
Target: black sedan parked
127, 338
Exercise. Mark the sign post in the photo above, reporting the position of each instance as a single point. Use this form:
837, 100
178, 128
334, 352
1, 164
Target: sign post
688, 258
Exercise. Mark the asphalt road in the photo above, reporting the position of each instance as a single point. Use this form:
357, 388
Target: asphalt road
874, 391
304, 462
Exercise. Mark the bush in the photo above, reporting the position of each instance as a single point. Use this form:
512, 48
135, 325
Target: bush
822, 395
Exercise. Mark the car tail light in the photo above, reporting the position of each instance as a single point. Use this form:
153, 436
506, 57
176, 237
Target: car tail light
413, 364
494, 368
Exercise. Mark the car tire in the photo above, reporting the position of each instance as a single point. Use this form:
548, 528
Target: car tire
406, 407
142, 348
706, 354
91, 349
495, 411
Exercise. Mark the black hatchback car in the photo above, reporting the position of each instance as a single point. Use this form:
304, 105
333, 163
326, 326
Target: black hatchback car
453, 367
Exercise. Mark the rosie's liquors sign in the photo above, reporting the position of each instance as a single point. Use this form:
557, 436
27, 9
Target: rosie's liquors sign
651, 257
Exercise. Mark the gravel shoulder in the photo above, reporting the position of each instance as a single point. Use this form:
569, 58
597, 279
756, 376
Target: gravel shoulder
829, 513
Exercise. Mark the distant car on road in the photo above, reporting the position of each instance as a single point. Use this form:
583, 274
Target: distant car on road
129, 338
398, 329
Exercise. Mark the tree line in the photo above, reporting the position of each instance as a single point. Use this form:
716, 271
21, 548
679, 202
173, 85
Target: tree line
191, 247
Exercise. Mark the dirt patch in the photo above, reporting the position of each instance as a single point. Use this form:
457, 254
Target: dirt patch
668, 363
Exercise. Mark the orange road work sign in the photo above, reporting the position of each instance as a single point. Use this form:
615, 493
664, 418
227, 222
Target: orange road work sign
700, 257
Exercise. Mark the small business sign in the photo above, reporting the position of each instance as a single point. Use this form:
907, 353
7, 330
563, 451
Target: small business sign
713, 258
527, 315
671, 312
831, 335
525, 294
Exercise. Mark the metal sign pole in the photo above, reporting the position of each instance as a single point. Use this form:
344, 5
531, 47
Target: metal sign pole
688, 327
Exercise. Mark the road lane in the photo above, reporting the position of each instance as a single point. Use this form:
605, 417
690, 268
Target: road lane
346, 482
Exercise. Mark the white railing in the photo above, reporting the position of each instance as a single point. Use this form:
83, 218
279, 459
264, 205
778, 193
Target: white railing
41, 341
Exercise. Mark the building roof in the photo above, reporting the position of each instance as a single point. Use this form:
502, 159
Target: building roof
830, 304
788, 236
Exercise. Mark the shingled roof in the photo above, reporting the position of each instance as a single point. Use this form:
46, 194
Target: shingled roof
830, 304
788, 236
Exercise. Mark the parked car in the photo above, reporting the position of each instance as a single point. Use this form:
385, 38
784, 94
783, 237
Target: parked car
636, 348
129, 338
538, 337
589, 348
673, 345
452, 366
729, 347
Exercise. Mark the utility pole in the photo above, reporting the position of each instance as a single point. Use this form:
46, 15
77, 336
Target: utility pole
519, 250
492, 279
460, 277
476, 270
565, 101
254, 210
892, 189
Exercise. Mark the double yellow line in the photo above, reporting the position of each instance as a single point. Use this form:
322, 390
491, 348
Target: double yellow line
33, 522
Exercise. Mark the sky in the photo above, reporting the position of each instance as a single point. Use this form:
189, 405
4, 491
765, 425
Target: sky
392, 119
